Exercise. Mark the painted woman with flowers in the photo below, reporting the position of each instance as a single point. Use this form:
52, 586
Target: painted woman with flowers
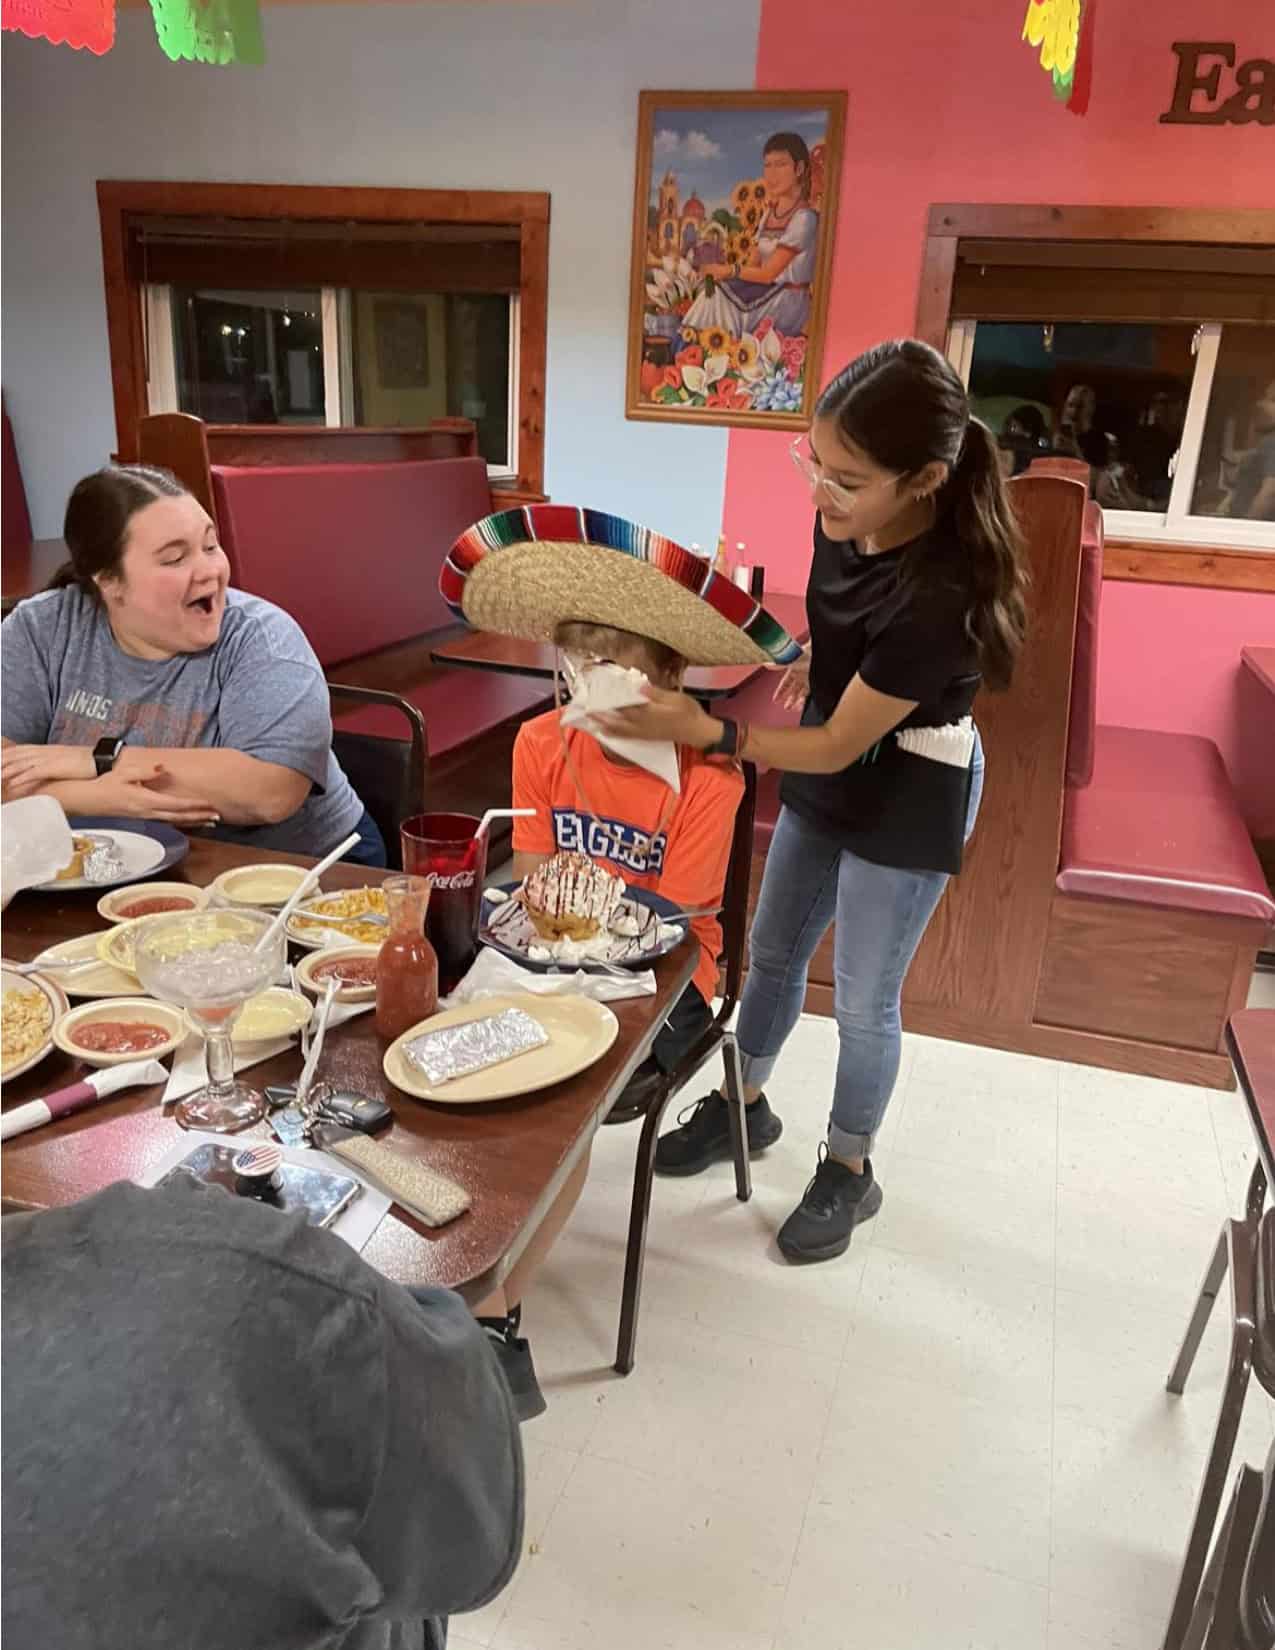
771, 281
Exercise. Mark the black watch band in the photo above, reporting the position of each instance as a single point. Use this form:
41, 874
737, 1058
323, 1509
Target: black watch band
728, 744
106, 753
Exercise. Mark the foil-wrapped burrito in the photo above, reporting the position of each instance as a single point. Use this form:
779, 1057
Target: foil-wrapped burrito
460, 1051
103, 861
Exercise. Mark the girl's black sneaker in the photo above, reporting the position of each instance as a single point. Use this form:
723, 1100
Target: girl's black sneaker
836, 1201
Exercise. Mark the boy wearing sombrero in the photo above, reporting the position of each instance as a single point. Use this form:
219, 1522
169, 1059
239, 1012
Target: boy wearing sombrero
609, 593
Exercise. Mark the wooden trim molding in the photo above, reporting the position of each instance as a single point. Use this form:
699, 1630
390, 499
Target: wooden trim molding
950, 223
1236, 227
1138, 562
120, 203
1212, 566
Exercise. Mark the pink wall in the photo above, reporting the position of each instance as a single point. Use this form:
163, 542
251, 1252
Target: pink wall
945, 106
1168, 658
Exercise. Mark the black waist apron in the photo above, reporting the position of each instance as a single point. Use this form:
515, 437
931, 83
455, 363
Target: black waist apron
903, 803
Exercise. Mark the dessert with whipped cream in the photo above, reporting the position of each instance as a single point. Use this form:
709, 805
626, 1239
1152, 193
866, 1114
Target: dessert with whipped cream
568, 897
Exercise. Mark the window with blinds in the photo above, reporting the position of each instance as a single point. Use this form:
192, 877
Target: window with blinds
392, 325
1154, 363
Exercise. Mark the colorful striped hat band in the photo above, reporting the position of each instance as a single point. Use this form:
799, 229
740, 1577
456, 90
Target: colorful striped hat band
524, 572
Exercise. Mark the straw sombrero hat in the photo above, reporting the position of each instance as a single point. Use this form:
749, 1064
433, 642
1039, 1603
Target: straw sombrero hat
523, 572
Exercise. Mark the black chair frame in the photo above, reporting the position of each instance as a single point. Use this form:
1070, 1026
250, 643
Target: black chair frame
415, 769
1245, 1250
717, 1035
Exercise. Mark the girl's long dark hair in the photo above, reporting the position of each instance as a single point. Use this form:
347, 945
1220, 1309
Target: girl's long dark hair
904, 406
96, 524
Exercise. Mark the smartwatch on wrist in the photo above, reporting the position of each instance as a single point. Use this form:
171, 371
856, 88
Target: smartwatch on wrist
728, 744
106, 753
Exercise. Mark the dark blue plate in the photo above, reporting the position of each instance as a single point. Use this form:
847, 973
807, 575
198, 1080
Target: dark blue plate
662, 908
175, 845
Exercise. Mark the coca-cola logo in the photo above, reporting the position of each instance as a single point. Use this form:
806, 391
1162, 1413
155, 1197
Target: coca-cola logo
461, 879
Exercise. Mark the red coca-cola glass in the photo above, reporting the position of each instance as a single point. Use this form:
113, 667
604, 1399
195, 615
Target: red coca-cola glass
444, 848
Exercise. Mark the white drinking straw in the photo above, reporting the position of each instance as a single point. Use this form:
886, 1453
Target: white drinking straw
500, 813
303, 888
306, 1081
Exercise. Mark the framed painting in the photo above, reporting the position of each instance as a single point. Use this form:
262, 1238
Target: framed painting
734, 214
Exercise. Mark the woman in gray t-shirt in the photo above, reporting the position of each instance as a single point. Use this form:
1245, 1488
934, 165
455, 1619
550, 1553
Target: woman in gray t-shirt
141, 685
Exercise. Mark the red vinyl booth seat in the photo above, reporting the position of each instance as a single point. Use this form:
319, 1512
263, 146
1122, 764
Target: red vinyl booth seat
1158, 825
459, 706
352, 551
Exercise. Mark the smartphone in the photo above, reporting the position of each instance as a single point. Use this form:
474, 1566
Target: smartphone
323, 1196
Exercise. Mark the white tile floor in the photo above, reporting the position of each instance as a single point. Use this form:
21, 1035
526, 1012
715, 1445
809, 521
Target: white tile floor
957, 1436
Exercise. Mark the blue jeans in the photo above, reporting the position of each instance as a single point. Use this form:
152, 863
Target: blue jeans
370, 848
880, 913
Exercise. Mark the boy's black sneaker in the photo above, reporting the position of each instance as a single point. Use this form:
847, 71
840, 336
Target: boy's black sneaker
836, 1201
513, 1354
703, 1135
637, 1094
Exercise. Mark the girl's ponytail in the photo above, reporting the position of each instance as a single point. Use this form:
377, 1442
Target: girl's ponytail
977, 497
903, 404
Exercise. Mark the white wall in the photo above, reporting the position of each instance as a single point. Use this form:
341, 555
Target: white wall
508, 96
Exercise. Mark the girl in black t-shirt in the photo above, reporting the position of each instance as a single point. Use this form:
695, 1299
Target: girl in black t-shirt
915, 598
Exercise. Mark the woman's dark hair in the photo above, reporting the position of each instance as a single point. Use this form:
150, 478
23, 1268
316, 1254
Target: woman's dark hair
903, 405
788, 143
97, 516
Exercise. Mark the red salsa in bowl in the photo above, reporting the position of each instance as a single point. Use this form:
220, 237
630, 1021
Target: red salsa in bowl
346, 971
118, 1036
155, 905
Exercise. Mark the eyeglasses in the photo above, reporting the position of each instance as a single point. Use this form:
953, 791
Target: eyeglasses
841, 498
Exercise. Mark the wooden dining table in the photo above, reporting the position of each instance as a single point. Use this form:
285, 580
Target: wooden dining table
485, 650
513, 1157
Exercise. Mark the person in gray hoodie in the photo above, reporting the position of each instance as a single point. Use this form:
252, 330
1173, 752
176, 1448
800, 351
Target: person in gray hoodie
225, 1431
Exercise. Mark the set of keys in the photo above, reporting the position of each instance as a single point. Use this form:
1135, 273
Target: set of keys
293, 1120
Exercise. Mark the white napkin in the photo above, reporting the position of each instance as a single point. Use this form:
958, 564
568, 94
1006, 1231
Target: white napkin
35, 844
611, 687
494, 975
190, 1069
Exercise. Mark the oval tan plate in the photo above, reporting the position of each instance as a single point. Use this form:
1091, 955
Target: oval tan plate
580, 1033
102, 980
313, 936
27, 983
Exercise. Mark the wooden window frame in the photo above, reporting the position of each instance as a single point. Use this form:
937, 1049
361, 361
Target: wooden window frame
527, 211
949, 224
